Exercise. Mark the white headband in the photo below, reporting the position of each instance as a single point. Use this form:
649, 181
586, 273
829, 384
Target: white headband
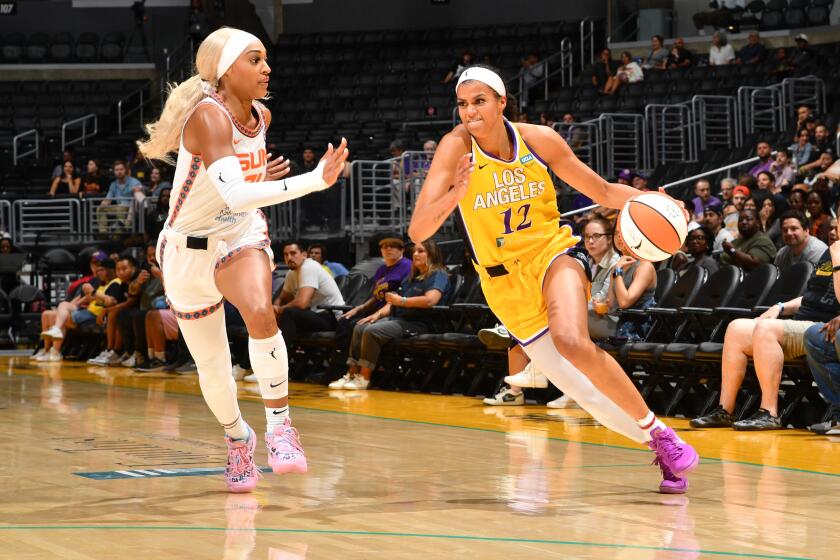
484, 76
235, 45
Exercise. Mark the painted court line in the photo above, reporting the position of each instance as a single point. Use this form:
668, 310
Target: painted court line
160, 473
402, 535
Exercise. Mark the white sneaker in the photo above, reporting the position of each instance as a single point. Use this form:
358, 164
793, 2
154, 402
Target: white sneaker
344, 380
239, 373
563, 402
251, 378
53, 332
506, 397
497, 337
38, 354
100, 358
131, 361
117, 359
528, 377
358, 383
53, 356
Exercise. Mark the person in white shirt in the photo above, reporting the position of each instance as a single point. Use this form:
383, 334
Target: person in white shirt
713, 219
307, 287
800, 245
721, 52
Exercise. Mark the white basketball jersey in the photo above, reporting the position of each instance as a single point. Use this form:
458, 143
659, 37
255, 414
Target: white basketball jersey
196, 208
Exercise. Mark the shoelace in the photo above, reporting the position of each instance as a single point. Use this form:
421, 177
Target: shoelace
288, 439
665, 443
667, 474
239, 462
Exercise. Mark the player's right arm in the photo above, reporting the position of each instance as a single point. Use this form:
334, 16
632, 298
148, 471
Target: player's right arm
445, 185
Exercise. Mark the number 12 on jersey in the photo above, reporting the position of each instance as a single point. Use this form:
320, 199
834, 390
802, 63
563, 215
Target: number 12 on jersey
524, 223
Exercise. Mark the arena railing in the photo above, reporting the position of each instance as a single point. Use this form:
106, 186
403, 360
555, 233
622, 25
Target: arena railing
132, 103
89, 125
716, 121
6, 216
377, 197
177, 65
19, 151
761, 109
587, 38
561, 62
671, 132
37, 221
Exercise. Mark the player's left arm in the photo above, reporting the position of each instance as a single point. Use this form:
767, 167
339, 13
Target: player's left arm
554, 150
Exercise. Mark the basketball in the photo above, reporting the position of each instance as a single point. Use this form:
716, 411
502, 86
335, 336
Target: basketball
652, 226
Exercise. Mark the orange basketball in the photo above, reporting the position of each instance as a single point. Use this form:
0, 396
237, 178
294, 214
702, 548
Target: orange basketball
652, 226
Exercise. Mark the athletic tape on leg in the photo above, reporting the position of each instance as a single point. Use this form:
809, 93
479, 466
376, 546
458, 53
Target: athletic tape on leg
271, 365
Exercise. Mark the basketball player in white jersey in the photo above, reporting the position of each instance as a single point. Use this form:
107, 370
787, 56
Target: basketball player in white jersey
215, 243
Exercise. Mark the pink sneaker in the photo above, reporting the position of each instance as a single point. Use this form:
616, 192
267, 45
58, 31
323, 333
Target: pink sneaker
285, 453
672, 453
671, 484
241, 473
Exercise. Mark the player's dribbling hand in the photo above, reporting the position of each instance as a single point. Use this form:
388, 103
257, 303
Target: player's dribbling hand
462, 175
334, 160
277, 168
679, 203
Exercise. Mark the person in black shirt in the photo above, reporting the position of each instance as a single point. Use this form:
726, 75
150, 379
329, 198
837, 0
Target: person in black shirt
156, 216
603, 69
770, 340
680, 57
94, 182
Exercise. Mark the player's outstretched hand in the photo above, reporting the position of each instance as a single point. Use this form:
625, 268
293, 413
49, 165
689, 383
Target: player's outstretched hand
462, 175
679, 203
277, 168
334, 160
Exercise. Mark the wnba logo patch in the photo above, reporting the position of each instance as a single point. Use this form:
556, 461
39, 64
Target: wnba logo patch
526, 159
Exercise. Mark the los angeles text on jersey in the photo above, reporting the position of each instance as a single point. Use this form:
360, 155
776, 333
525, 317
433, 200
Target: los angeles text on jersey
510, 187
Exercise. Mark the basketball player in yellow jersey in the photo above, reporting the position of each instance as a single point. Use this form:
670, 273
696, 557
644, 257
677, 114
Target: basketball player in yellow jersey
496, 174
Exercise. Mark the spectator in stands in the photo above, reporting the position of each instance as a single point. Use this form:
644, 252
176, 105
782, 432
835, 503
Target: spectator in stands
403, 313
704, 199
809, 173
726, 186
156, 216
822, 142
575, 136
679, 56
548, 119
802, 149
721, 52
67, 155
752, 248
597, 240
628, 73
766, 182
640, 181
8, 280
713, 220
820, 219
112, 214
462, 64
604, 69
67, 183
781, 65
632, 286
803, 55
307, 286
765, 158
769, 210
387, 278
753, 52
308, 161
116, 353
783, 169
803, 115
830, 177
157, 183
161, 326
722, 15
93, 182
699, 245
657, 58
822, 349
769, 340
799, 244
533, 70
731, 213
796, 199
147, 288
71, 314
318, 253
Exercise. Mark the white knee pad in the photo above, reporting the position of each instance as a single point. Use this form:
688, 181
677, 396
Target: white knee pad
574, 383
271, 365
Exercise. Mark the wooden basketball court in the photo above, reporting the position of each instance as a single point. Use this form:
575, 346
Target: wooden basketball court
106, 463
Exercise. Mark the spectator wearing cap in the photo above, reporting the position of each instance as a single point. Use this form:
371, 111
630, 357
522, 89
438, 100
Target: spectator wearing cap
640, 182
765, 158
713, 220
318, 253
740, 194
804, 54
799, 244
703, 198
625, 177
752, 248
721, 52
753, 52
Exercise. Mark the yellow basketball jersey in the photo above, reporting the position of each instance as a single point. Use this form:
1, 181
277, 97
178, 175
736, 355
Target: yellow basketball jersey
510, 207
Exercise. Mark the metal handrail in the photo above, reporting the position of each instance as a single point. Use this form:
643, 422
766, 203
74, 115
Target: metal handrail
139, 107
184, 52
85, 134
16, 153
584, 35
564, 55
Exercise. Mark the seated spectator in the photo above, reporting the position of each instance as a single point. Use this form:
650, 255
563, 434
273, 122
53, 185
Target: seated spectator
460, 65
156, 216
94, 182
117, 352
8, 280
403, 314
822, 142
603, 69
721, 52
803, 55
161, 326
157, 183
66, 184
783, 169
640, 181
306, 287
803, 115
766, 182
727, 184
721, 16
752, 248
113, 211
628, 73
802, 148
753, 52
699, 245
731, 213
657, 58
71, 314
765, 158
679, 56
633, 286
799, 244
810, 172
318, 253
704, 199
598, 242
769, 340
768, 215
532, 72
830, 176
548, 119
781, 66
67, 155
575, 136
713, 220
819, 217
147, 288
822, 351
